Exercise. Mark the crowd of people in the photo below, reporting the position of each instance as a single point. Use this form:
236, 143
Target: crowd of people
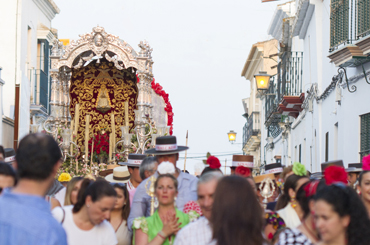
148, 200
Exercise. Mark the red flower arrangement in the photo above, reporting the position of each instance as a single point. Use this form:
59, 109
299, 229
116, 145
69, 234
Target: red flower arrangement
213, 162
101, 144
366, 163
334, 174
243, 171
158, 89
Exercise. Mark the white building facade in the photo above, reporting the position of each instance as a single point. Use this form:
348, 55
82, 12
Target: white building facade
317, 107
24, 48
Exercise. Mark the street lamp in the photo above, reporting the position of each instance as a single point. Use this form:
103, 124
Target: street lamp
262, 80
232, 136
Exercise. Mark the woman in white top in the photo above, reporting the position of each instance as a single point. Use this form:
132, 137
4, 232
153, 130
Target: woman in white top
306, 232
120, 213
86, 222
287, 206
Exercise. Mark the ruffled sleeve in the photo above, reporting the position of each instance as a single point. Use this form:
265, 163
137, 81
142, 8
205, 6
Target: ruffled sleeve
193, 215
140, 223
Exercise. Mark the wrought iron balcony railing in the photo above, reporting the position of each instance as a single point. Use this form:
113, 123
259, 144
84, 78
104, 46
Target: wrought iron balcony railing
252, 127
349, 21
287, 82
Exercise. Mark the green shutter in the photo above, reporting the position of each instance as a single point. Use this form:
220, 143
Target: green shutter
339, 22
363, 26
365, 135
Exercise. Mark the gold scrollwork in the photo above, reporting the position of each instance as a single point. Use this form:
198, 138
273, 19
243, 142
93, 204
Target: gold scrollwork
86, 85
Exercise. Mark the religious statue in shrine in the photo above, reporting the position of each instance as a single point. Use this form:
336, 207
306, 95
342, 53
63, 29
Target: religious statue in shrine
103, 104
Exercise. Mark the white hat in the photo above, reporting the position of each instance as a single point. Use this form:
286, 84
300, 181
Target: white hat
120, 175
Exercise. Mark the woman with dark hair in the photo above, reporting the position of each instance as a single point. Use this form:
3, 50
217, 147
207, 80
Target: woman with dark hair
287, 206
236, 215
72, 190
167, 220
363, 187
305, 233
340, 216
120, 213
86, 221
8, 177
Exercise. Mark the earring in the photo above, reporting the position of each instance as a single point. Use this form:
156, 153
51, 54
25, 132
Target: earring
175, 202
156, 203
293, 202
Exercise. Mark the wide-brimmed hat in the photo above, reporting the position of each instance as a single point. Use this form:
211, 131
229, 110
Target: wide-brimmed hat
338, 163
242, 160
166, 145
119, 175
273, 168
134, 160
354, 168
9, 155
259, 178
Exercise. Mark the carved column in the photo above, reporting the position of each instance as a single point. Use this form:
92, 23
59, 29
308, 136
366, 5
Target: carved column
54, 95
66, 97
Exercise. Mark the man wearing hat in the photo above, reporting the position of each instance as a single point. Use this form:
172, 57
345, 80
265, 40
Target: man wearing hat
241, 160
353, 170
274, 168
9, 155
133, 164
166, 150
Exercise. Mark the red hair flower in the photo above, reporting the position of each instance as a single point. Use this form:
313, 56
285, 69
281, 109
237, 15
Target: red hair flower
311, 187
366, 163
213, 162
243, 171
334, 174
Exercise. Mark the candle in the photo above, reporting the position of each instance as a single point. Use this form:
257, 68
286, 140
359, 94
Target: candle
92, 149
110, 147
72, 132
87, 137
77, 119
126, 113
113, 130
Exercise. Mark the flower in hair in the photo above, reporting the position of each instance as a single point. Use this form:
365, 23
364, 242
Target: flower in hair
243, 171
334, 174
310, 188
64, 177
213, 162
366, 163
299, 169
166, 168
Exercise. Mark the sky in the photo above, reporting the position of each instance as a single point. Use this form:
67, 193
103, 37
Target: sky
199, 50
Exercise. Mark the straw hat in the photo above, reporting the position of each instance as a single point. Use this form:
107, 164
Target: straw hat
134, 160
273, 168
119, 175
242, 160
259, 178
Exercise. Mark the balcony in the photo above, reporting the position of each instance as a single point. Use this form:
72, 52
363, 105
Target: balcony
285, 88
252, 133
349, 32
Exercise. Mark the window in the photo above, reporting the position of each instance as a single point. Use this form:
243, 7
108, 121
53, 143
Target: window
335, 141
327, 147
365, 135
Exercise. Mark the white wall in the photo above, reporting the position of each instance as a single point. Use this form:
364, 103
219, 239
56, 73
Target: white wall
344, 141
14, 48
